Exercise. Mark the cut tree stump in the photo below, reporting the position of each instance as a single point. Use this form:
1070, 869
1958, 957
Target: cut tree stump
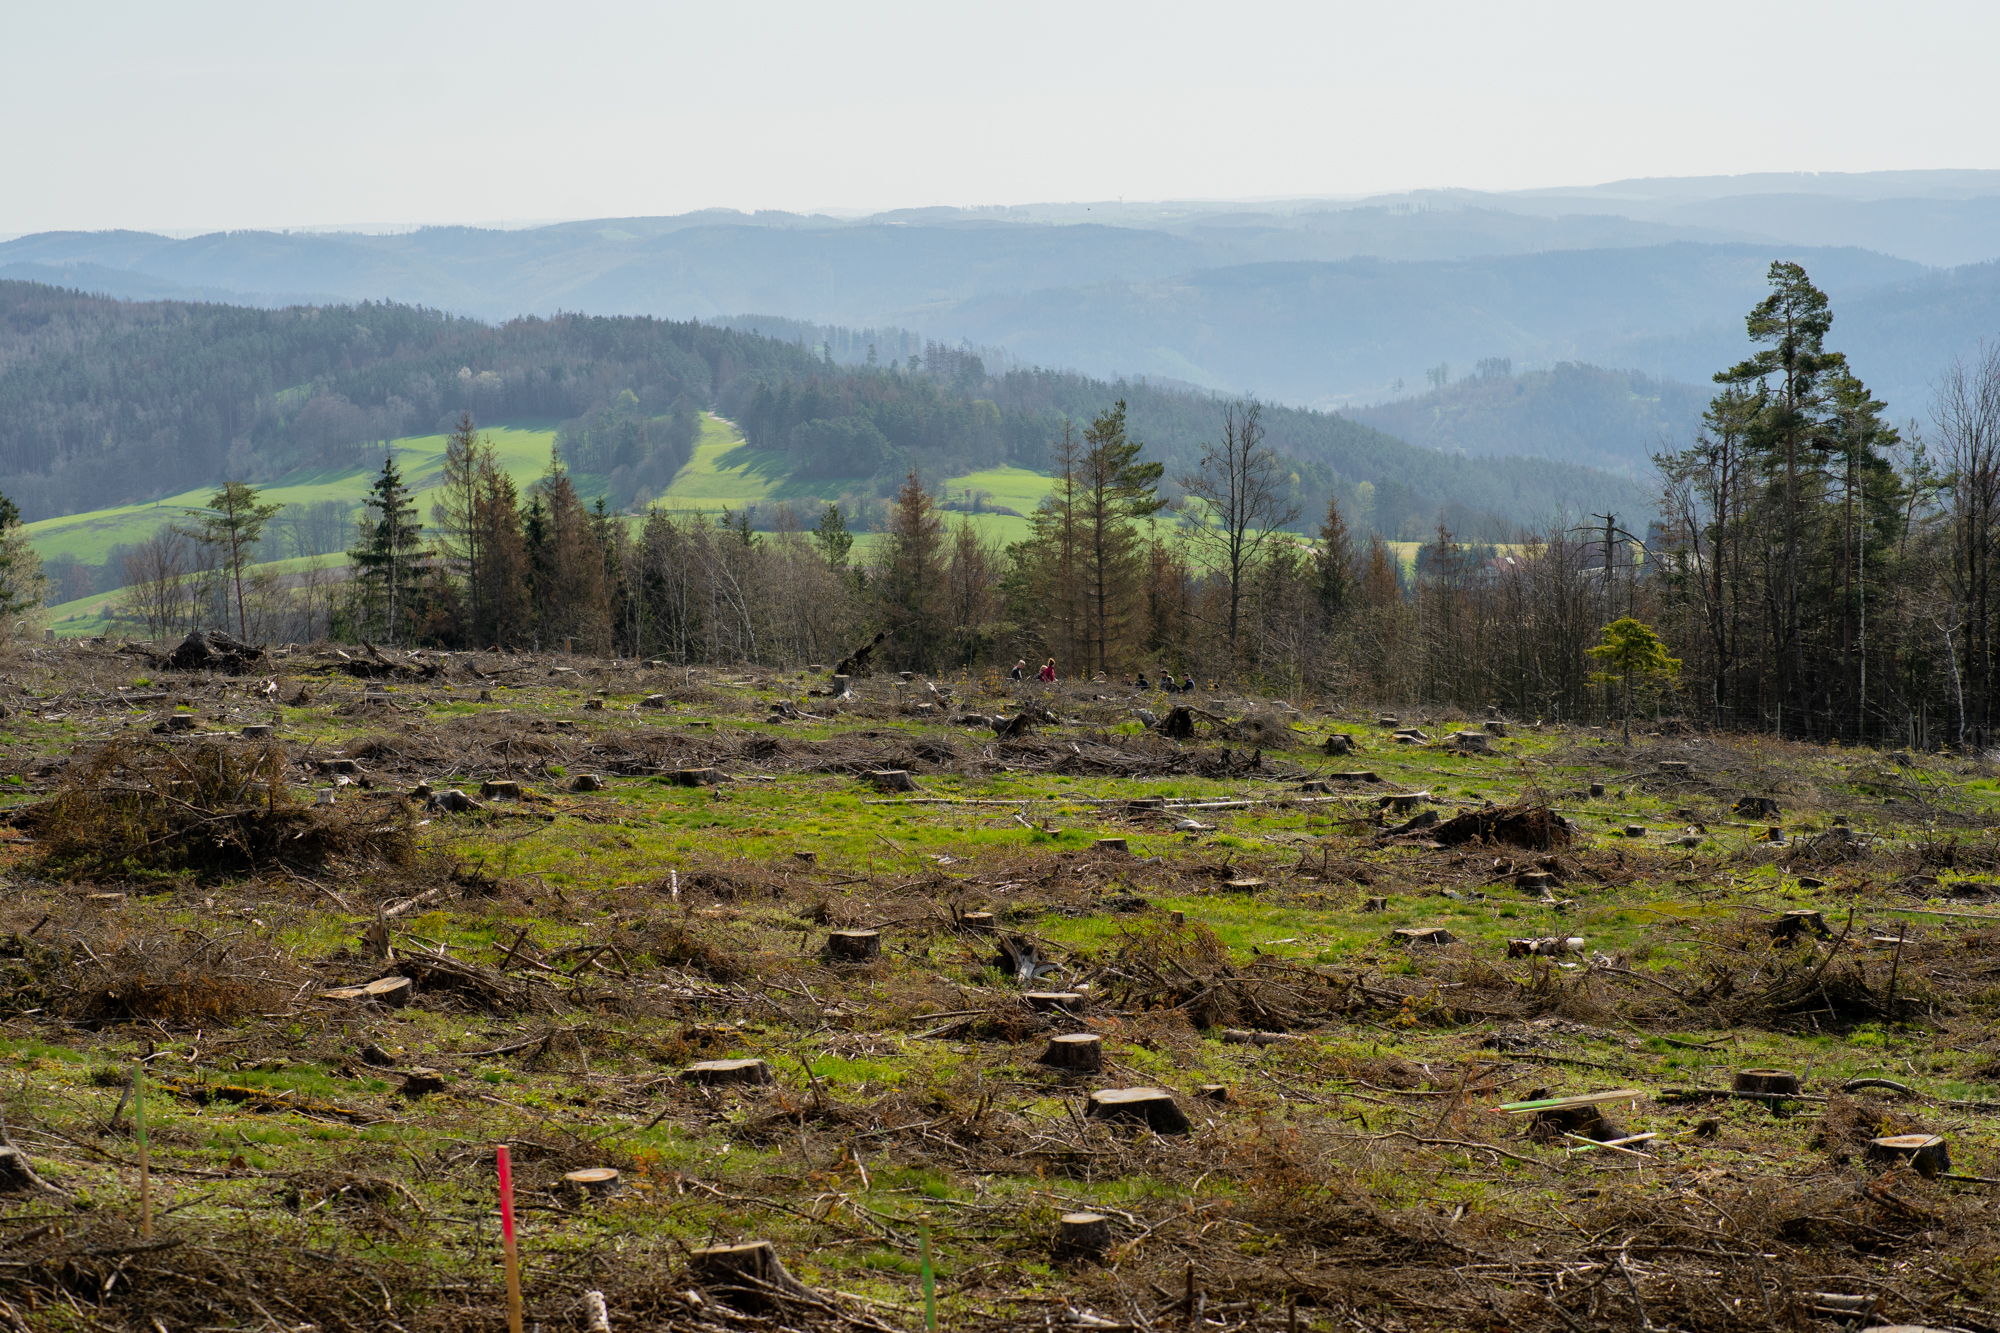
593, 1182
1774, 1082
421, 1082
1926, 1152
1674, 768
695, 777
500, 787
1496, 728
1388, 720
1597, 789
727, 1071
1339, 743
1113, 845
653, 701
1635, 830
1243, 885
1403, 802
1535, 881
983, 922
1051, 1001
1213, 1092
586, 782
1077, 1052
1083, 1235
1437, 935
392, 991
455, 801
1375, 905
593, 705
1796, 924
183, 722
1151, 1107
750, 1274
891, 779
1469, 742
854, 946
1544, 947
15, 1173
258, 731
1755, 807
339, 766
1359, 775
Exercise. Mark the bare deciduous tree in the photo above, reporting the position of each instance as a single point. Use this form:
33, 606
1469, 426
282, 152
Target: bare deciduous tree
1242, 496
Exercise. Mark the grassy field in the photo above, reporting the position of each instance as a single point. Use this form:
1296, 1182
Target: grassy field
577, 949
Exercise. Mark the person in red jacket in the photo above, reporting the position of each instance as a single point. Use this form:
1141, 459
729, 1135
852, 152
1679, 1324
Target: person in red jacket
1048, 672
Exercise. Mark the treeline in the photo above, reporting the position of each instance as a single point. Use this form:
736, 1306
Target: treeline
107, 402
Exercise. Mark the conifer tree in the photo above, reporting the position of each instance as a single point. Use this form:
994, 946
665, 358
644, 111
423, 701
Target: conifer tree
232, 525
910, 587
388, 558
1114, 492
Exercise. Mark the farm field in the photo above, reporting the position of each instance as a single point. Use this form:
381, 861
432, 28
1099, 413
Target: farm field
1326, 981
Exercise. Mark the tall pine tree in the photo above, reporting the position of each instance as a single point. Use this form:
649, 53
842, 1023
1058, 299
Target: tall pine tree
388, 561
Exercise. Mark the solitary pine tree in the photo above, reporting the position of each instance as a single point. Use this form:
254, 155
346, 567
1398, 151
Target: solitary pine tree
1631, 652
1116, 491
911, 586
387, 560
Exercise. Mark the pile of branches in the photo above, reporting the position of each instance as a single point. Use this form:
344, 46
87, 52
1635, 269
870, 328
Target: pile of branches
218, 808
1529, 824
1187, 968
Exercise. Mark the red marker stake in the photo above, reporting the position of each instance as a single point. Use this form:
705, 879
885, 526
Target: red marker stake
507, 1241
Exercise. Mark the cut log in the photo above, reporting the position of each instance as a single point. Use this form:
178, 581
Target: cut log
1151, 1107
1245, 1037
1547, 946
891, 779
339, 766
1051, 1001
596, 1318
695, 777
749, 1275
854, 946
592, 1182
422, 1082
258, 731
1375, 905
392, 991
586, 782
1339, 743
979, 921
1077, 1052
1774, 1082
1083, 1235
1437, 935
500, 787
1926, 1152
715, 1072
1117, 845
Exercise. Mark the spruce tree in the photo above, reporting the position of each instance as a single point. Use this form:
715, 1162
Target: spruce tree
1116, 491
388, 559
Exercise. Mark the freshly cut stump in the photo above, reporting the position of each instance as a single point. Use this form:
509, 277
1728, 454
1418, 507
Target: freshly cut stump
1358, 775
1926, 1152
854, 946
1243, 885
1496, 728
392, 991
1213, 1092
727, 1071
586, 782
500, 787
695, 777
891, 779
1437, 935
983, 922
1049, 1001
650, 701
258, 731
1339, 743
1375, 905
1770, 1082
455, 801
1635, 830
1078, 1052
751, 1273
421, 1082
1677, 768
1084, 1235
1118, 845
593, 1181
339, 766
1151, 1107
1535, 881
1403, 802
182, 722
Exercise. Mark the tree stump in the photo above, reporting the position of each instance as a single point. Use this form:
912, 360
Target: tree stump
593, 705
1317, 785
1178, 725
1755, 807
1779, 1082
1052, 1001
1388, 720
421, 1082
1796, 924
853, 946
842, 687
593, 1182
500, 787
454, 801
1437, 935
1597, 789
1926, 1152
716, 1072
695, 777
183, 722
1674, 768
1151, 1107
652, 701
258, 731
1635, 830
1470, 742
1177, 918
1534, 881
983, 922
1358, 775
586, 782
1496, 728
1213, 1092
392, 991
1243, 885
347, 766
750, 1274
1339, 743
1083, 1235
891, 779
1118, 845
1375, 905
15, 1173
1076, 1052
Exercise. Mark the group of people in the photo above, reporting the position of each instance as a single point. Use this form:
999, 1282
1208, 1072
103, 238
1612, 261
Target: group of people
1047, 675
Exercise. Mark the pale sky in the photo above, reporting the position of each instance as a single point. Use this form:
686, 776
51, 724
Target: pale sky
207, 116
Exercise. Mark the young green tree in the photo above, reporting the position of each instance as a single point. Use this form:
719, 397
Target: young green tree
1334, 566
1115, 492
388, 559
832, 539
911, 587
231, 526
22, 585
455, 516
1632, 652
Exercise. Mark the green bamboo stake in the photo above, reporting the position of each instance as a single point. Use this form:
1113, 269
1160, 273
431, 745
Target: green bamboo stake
930, 1284
145, 1163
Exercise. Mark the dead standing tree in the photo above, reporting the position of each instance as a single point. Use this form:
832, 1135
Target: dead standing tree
1242, 499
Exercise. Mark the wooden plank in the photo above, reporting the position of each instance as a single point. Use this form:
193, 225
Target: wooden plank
1566, 1103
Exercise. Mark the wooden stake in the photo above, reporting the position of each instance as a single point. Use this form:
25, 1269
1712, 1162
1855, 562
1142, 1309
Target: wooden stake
507, 1241
145, 1161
